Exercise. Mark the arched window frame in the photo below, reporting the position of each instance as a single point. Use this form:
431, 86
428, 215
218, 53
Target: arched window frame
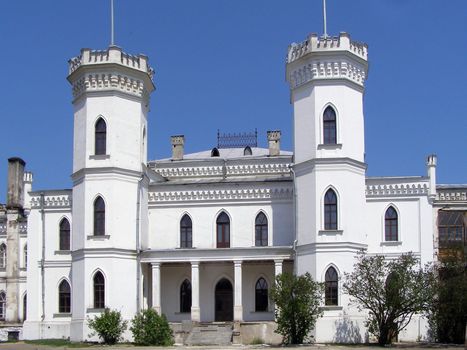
261, 295
331, 286
64, 296
98, 284
3, 255
2, 305
223, 236
185, 296
329, 125
186, 231
247, 151
25, 306
100, 136
64, 234
99, 210
330, 210
215, 152
261, 230
391, 225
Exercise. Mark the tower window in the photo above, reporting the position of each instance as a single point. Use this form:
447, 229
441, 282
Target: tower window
2, 305
329, 126
186, 240
390, 225
331, 287
64, 235
247, 151
215, 152
99, 217
185, 296
223, 231
261, 230
330, 210
261, 295
64, 297
100, 137
99, 290
2, 256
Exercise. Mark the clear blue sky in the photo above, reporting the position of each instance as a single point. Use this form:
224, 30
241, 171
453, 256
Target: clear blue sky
220, 64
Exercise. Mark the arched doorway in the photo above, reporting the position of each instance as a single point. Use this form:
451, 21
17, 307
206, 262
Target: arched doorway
224, 301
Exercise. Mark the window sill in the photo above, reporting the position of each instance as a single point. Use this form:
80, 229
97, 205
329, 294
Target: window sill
331, 308
62, 252
330, 146
98, 238
391, 243
330, 232
94, 311
182, 313
99, 156
62, 315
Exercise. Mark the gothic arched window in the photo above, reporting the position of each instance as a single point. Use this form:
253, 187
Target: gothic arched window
223, 231
100, 137
25, 306
99, 290
215, 152
64, 297
329, 126
186, 229
3, 256
2, 305
331, 287
185, 296
99, 217
261, 230
261, 295
64, 236
330, 210
247, 151
390, 225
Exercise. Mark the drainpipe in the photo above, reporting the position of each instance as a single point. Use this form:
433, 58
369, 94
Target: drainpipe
294, 208
138, 246
43, 258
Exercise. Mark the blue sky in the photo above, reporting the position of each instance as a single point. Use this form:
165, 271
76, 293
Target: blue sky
220, 65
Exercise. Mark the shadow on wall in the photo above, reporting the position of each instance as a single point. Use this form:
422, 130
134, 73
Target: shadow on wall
348, 331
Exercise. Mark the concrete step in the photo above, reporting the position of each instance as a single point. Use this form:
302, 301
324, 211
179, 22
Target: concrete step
210, 334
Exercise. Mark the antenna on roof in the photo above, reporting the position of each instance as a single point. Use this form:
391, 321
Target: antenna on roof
324, 19
112, 42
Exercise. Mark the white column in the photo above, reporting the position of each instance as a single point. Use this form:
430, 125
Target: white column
195, 311
156, 287
277, 271
238, 306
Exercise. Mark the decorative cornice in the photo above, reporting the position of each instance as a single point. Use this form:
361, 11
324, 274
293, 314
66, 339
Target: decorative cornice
52, 200
397, 189
451, 195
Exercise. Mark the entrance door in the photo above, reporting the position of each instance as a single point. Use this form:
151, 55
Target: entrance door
224, 301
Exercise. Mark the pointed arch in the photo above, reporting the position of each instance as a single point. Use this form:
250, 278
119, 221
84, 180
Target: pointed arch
64, 234
186, 232
215, 152
261, 230
25, 306
185, 296
261, 295
99, 216
247, 151
223, 230
100, 136
391, 224
330, 209
329, 126
64, 297
3, 256
331, 287
98, 282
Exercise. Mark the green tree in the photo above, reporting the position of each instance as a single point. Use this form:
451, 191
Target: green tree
109, 326
297, 300
392, 291
150, 328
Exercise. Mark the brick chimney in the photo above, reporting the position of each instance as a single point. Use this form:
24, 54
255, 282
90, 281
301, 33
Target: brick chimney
15, 193
178, 143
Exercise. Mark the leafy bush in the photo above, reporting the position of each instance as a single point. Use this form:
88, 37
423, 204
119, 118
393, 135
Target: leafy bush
109, 326
150, 328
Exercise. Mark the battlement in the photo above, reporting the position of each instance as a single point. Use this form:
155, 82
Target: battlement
320, 44
113, 54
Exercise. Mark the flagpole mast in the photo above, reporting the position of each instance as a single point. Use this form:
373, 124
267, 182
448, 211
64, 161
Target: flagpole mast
112, 42
324, 21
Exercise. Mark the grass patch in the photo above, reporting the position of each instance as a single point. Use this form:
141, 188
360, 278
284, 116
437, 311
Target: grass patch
58, 342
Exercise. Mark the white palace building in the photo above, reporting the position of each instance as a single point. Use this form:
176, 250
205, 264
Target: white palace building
200, 237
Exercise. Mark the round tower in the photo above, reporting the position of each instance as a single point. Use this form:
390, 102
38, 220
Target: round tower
111, 92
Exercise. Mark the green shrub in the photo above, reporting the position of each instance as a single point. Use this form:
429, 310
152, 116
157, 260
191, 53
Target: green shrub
257, 341
109, 326
150, 328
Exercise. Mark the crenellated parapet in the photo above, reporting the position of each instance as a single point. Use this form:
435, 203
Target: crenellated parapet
319, 58
394, 187
61, 199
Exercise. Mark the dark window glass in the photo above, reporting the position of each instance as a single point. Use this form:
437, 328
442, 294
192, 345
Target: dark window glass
25, 253
25, 307
247, 151
261, 230
64, 235
330, 285
390, 225
100, 137
223, 231
186, 232
64, 297
330, 210
99, 291
329, 126
2, 305
185, 296
215, 152
261, 295
99, 217
2, 256
451, 228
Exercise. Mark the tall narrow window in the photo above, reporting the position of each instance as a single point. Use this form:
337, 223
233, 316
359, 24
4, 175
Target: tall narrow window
99, 291
25, 255
186, 232
185, 296
100, 137
261, 295
261, 230
25, 307
2, 256
64, 238
390, 225
2, 305
64, 297
99, 217
330, 210
331, 287
223, 231
329, 126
